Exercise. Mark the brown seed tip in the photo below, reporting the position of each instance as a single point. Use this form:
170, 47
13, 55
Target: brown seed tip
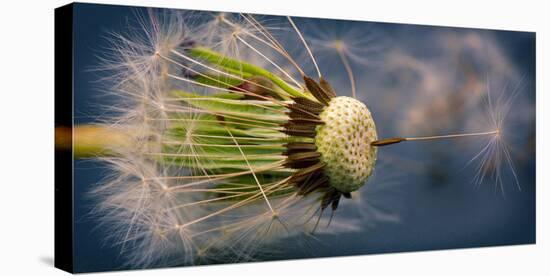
387, 141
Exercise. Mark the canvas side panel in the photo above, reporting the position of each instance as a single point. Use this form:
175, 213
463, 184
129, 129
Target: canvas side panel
64, 234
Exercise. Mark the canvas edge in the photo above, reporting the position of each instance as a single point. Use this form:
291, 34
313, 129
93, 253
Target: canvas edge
63, 176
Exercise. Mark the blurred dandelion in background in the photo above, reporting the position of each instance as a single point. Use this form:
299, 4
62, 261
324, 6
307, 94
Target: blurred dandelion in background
230, 133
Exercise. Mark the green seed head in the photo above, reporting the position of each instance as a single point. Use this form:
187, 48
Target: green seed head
344, 143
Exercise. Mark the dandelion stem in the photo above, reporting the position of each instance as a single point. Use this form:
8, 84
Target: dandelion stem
90, 140
395, 140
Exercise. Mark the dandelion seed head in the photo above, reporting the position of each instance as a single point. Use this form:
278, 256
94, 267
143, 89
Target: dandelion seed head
222, 159
349, 164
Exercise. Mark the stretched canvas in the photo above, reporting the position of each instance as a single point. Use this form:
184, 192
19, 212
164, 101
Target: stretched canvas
202, 137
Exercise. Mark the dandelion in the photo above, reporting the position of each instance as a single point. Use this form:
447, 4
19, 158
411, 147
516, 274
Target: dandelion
223, 143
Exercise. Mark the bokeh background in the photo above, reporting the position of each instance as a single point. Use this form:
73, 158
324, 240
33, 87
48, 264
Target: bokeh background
416, 80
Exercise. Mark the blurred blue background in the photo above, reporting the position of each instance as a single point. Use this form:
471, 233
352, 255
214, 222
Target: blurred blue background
415, 80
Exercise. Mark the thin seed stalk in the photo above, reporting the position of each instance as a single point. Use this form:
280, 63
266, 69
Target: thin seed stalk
395, 140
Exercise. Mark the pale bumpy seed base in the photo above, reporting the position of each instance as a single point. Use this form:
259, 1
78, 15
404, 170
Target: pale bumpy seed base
344, 143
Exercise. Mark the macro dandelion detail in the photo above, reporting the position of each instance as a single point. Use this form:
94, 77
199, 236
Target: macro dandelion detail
222, 136
219, 147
